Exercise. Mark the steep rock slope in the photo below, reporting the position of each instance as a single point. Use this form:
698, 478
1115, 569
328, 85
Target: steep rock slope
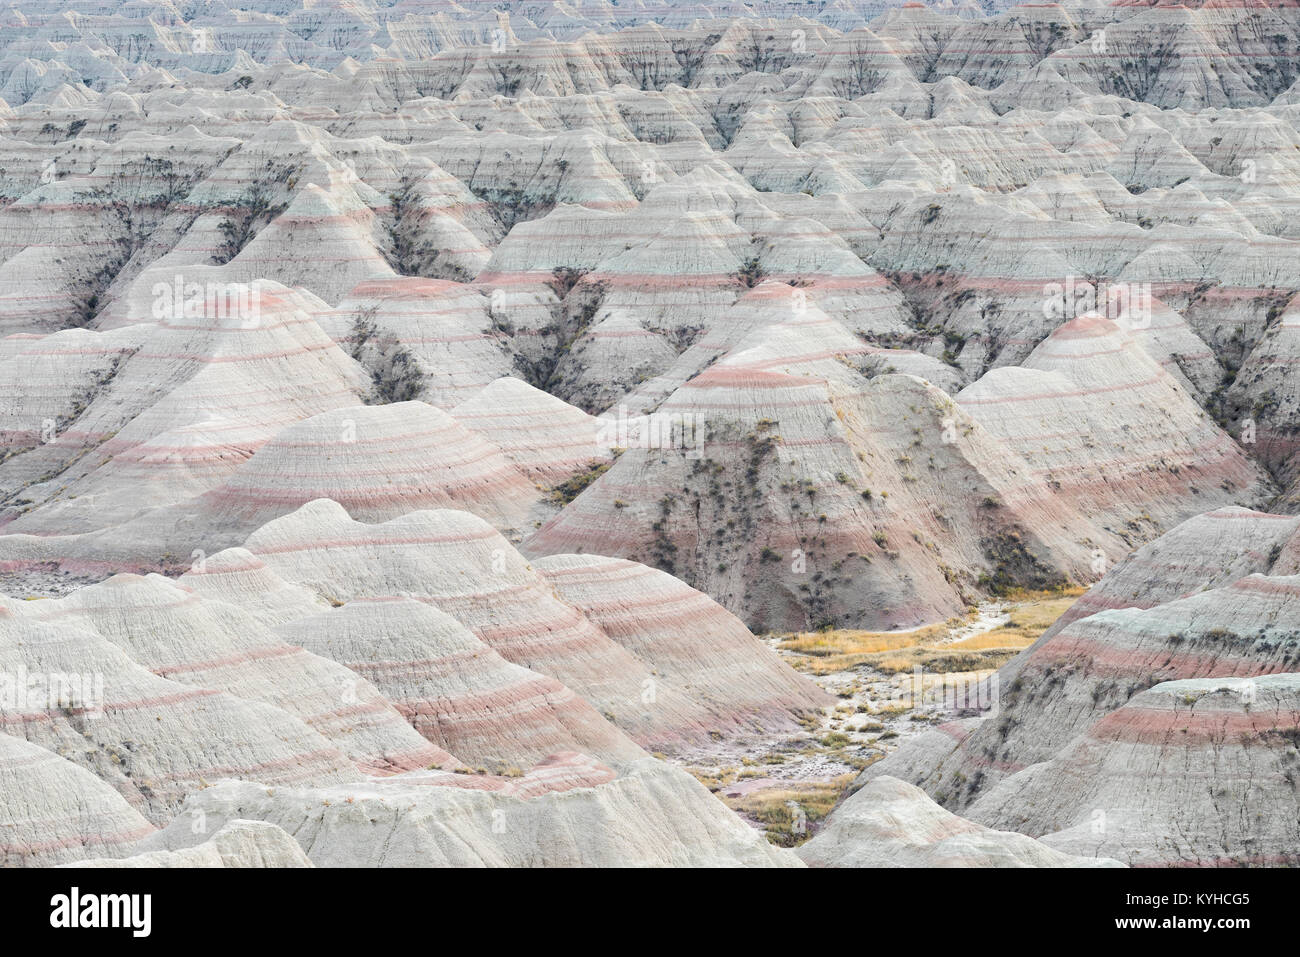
53, 811
785, 480
1198, 772
1150, 456
213, 645
462, 566
150, 738
454, 689
549, 440
1116, 676
691, 643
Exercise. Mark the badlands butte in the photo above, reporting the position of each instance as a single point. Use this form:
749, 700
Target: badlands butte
612, 434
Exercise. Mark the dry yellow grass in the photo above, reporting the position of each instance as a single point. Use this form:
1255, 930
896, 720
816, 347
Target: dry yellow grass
1023, 595
841, 649
822, 644
714, 778
1031, 614
891, 710
1028, 620
998, 638
783, 825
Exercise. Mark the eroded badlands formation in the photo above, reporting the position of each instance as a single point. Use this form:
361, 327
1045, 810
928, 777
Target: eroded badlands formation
410, 415
1156, 722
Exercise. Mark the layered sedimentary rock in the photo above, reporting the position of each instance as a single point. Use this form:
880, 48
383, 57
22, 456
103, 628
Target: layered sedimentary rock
454, 689
849, 316
214, 645
692, 644
1263, 397
241, 654
51, 810
746, 500
463, 567
1213, 550
1197, 772
1150, 455
237, 576
606, 215
246, 368
152, 739
1181, 657
378, 462
426, 338
547, 439
772, 461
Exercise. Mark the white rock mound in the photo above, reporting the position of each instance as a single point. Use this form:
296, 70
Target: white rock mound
892, 824
53, 811
652, 816
237, 844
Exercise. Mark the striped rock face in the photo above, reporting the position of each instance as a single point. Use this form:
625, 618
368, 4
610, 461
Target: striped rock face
548, 440
77, 694
237, 844
1093, 665
239, 577
1150, 454
210, 644
461, 566
1200, 772
1160, 699
801, 496
454, 689
251, 667
605, 211
444, 329
740, 498
1265, 394
423, 409
228, 380
55, 811
464, 694
378, 462
691, 642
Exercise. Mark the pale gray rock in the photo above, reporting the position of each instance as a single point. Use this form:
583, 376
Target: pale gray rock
237, 844
889, 823
653, 815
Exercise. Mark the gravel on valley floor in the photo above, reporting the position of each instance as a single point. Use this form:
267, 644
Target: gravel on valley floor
874, 714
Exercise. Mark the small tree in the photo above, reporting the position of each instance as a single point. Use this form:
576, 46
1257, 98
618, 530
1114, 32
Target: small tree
861, 76
690, 53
